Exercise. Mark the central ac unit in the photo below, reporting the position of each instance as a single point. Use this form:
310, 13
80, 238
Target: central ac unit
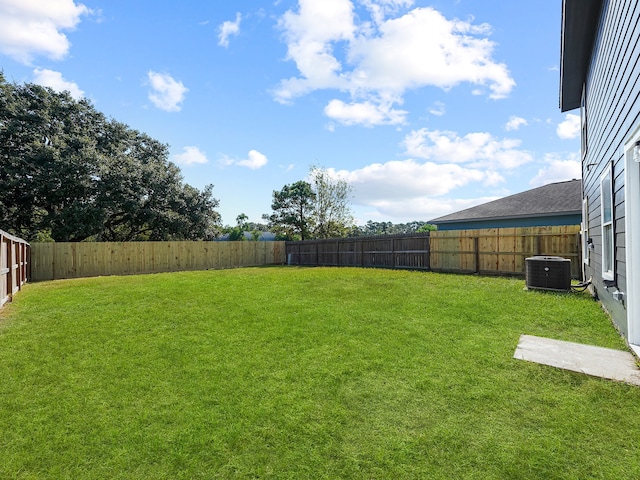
548, 273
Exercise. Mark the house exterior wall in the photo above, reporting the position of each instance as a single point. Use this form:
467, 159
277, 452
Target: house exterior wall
610, 113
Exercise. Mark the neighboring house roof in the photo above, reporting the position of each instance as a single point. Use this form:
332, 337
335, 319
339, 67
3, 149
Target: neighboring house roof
579, 18
554, 199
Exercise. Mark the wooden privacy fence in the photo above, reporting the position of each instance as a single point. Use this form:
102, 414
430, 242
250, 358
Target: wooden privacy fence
14, 265
402, 251
496, 251
51, 261
502, 251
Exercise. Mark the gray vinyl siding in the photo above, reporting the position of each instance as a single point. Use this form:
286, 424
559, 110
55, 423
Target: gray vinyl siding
612, 111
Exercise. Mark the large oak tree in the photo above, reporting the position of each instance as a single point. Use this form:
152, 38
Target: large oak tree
69, 173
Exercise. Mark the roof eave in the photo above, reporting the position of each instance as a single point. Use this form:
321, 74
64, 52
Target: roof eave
579, 22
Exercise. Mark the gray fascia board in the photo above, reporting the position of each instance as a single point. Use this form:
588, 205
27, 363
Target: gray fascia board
507, 217
579, 24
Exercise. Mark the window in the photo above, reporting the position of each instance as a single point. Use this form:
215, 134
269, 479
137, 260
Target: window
606, 205
586, 241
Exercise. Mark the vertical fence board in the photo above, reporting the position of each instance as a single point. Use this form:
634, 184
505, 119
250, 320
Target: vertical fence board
468, 258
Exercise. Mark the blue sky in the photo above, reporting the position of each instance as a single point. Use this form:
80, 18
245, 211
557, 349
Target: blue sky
424, 107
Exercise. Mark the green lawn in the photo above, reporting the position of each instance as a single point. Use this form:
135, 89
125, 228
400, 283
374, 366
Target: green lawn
304, 373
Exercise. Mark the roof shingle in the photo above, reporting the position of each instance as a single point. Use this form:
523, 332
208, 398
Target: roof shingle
551, 199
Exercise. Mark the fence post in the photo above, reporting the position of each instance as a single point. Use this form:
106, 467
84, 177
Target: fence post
10, 274
476, 250
427, 247
393, 252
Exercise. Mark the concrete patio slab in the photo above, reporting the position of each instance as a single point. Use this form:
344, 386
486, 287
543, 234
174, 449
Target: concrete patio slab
595, 361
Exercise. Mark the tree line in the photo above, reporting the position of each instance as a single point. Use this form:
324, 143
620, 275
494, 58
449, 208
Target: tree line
252, 230
372, 228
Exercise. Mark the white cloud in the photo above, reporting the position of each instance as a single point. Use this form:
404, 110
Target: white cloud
570, 127
493, 179
515, 123
478, 150
227, 29
287, 168
423, 208
423, 48
365, 113
424, 186
443, 162
166, 93
438, 109
254, 161
54, 80
558, 168
410, 189
407, 179
381, 8
334, 49
33, 27
190, 156
310, 34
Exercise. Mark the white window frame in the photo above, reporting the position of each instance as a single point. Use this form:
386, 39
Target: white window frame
607, 224
585, 231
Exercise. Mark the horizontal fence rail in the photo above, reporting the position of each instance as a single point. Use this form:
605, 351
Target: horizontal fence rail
52, 261
14, 265
502, 251
401, 251
496, 251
